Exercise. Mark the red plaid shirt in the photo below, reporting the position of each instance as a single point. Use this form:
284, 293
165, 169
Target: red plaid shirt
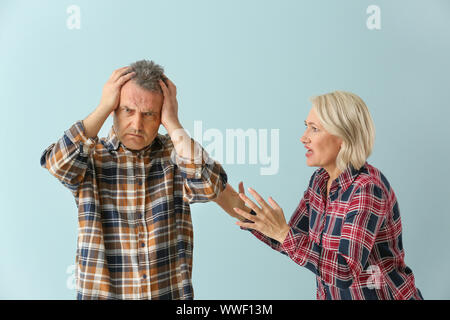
351, 240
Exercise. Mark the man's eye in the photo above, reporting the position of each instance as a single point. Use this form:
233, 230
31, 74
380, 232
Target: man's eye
148, 114
127, 110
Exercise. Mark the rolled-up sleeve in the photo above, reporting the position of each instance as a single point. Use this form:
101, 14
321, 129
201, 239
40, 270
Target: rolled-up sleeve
204, 178
67, 159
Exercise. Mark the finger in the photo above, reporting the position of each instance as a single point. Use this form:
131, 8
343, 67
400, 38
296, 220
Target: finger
241, 187
170, 85
273, 203
164, 88
250, 203
126, 77
246, 225
258, 198
118, 73
245, 215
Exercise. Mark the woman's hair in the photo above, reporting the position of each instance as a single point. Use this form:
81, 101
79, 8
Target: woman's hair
345, 115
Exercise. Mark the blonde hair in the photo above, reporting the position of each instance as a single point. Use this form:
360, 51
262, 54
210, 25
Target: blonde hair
345, 115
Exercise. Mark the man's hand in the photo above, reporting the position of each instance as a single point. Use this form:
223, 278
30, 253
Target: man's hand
109, 101
169, 111
111, 90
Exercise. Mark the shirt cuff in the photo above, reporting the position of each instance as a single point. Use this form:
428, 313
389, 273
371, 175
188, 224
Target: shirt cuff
192, 168
77, 135
292, 240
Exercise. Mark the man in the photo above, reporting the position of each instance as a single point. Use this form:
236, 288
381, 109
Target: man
133, 189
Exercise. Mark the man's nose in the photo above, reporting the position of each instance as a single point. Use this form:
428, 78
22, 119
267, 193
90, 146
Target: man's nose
138, 122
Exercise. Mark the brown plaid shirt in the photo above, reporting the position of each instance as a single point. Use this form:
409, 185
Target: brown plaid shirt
135, 236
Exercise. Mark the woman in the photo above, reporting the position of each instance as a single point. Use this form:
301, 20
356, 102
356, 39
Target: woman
347, 227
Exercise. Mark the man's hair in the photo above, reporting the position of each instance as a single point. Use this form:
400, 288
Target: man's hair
148, 75
345, 115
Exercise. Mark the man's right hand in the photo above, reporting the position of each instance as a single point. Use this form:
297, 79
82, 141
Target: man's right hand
109, 101
111, 89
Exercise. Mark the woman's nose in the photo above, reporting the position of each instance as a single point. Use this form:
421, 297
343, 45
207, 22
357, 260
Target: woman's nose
304, 139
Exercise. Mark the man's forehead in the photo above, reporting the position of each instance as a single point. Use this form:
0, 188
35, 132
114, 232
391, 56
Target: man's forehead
138, 98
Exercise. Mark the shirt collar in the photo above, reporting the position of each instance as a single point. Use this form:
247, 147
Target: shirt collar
343, 181
113, 143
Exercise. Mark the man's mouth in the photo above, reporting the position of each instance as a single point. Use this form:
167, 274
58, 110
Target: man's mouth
134, 135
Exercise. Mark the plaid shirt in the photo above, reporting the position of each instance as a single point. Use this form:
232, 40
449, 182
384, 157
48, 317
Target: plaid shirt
351, 240
135, 236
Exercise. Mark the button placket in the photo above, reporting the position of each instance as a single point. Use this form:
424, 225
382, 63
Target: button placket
140, 213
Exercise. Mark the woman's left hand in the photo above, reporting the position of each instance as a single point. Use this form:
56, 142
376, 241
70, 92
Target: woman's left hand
269, 219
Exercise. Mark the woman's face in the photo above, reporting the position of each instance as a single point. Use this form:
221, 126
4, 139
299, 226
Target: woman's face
322, 147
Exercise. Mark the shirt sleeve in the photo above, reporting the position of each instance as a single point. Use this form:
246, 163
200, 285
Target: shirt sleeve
204, 178
362, 222
299, 226
338, 268
67, 159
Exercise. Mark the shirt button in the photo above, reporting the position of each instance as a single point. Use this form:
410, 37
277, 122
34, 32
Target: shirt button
140, 182
142, 244
144, 276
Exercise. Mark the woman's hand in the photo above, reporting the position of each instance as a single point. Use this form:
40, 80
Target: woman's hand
269, 219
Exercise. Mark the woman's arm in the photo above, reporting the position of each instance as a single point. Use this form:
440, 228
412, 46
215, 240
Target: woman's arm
335, 267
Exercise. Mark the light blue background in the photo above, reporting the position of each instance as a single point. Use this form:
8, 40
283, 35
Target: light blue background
237, 64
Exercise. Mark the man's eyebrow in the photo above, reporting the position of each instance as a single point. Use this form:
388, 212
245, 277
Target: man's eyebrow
131, 108
310, 123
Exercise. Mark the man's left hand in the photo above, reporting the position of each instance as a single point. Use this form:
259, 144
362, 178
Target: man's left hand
169, 111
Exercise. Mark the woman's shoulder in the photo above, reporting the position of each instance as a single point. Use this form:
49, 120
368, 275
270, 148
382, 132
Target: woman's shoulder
371, 177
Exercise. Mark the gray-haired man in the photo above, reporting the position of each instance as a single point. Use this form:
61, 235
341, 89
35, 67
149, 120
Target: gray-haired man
133, 189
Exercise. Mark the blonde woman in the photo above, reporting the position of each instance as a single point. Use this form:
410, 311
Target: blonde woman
347, 227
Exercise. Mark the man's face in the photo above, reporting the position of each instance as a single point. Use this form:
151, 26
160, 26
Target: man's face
138, 116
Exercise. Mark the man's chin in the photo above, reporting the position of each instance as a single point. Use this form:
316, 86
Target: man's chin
134, 146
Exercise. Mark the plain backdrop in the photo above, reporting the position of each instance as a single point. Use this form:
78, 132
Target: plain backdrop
244, 64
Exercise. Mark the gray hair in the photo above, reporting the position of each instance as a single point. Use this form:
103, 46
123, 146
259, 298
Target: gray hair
148, 75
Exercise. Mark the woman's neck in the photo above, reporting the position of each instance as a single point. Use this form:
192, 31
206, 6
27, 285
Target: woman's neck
333, 173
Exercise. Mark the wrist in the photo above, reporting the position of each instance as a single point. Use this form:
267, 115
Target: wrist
103, 110
283, 234
172, 126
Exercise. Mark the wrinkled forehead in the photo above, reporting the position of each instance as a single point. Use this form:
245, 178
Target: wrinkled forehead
135, 97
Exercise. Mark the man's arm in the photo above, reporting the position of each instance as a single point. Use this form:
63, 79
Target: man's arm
109, 101
183, 144
67, 159
204, 179
229, 199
